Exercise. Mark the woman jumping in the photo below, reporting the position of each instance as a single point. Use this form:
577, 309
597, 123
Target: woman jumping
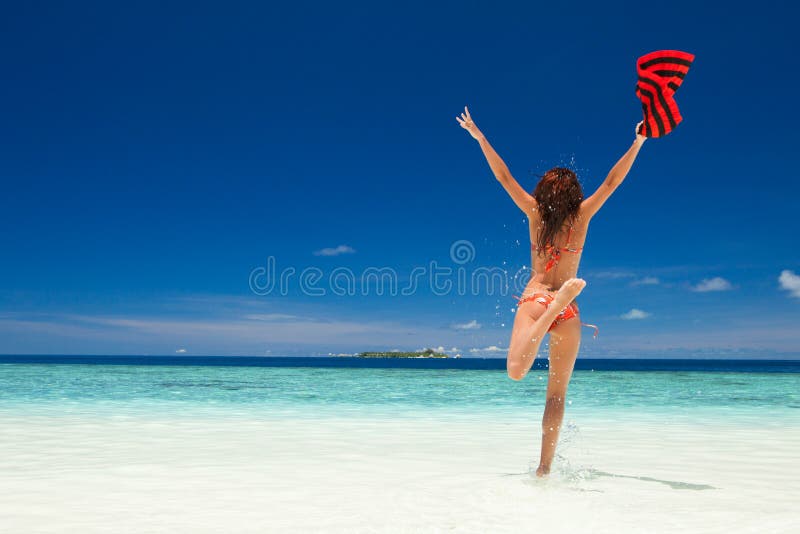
559, 218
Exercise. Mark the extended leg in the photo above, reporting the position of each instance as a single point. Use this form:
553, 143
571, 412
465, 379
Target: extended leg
565, 339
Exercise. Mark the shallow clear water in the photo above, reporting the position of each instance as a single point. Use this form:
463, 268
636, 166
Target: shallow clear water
388, 389
199, 449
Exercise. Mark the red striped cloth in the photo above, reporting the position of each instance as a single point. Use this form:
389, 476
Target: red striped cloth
660, 74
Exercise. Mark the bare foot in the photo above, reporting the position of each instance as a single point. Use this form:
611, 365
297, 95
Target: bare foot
568, 291
542, 471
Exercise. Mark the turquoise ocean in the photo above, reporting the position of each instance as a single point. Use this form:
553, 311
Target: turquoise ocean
199, 448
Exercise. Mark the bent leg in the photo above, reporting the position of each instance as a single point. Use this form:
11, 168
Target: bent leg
531, 324
565, 340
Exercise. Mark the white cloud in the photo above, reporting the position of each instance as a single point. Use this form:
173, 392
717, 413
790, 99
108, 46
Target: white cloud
646, 281
180, 351
217, 335
790, 282
491, 348
635, 313
612, 275
712, 284
335, 251
270, 317
217, 325
758, 335
472, 325
440, 348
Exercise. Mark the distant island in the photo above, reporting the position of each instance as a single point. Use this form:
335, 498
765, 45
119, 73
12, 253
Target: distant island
426, 353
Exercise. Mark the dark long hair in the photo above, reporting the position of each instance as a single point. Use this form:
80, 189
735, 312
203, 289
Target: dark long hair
559, 196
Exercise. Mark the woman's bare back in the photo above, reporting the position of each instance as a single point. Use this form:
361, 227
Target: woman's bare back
565, 266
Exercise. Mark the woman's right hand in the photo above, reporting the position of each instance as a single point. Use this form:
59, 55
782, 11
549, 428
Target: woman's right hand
466, 122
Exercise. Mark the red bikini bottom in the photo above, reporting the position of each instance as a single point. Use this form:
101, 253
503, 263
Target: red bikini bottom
567, 313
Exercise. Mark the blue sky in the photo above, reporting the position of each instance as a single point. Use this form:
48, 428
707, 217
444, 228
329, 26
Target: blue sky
152, 156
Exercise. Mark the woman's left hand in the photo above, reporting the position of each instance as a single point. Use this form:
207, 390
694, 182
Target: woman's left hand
639, 137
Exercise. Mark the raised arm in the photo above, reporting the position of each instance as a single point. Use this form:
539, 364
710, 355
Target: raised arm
521, 198
618, 172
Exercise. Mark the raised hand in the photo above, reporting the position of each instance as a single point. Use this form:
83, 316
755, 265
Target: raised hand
465, 120
640, 137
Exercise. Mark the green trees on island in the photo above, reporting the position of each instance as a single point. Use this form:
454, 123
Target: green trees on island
425, 353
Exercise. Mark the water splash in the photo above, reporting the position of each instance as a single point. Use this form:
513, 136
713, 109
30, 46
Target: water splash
570, 443
575, 476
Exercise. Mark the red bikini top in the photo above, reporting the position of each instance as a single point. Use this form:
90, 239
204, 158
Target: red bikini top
555, 252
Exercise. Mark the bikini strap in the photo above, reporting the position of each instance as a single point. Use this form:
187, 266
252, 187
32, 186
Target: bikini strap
596, 330
569, 240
